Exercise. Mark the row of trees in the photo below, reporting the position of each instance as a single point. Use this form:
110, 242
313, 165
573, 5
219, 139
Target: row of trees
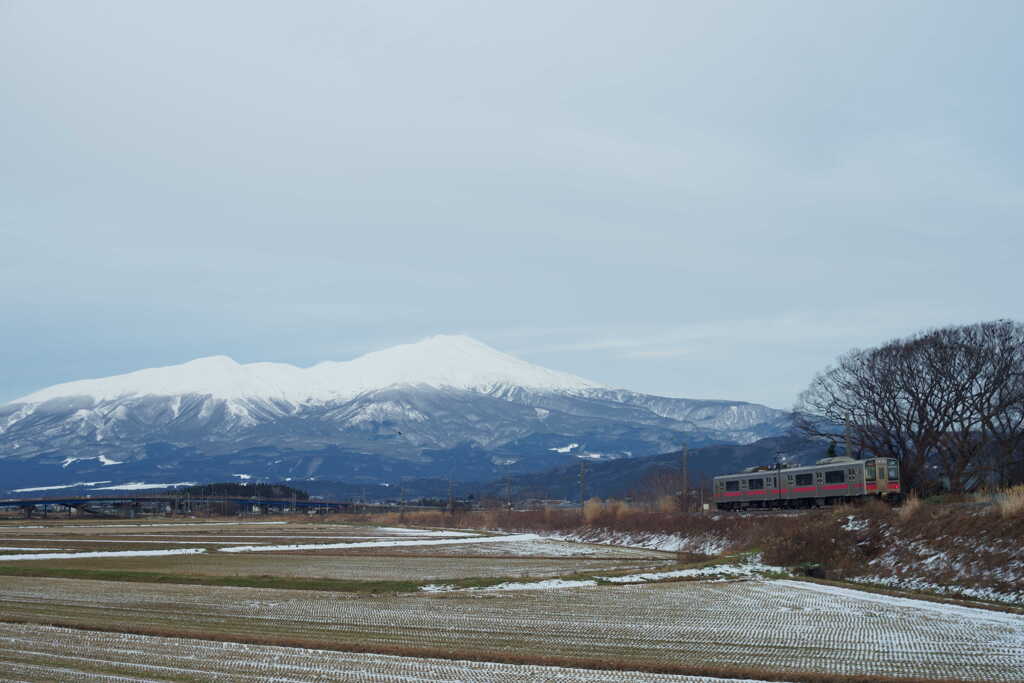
948, 403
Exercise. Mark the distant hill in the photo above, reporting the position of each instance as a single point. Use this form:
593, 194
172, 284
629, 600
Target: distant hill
658, 474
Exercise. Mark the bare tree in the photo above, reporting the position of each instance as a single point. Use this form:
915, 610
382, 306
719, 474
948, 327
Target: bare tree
948, 403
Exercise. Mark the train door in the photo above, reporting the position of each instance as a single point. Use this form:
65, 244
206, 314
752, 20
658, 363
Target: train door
870, 480
893, 470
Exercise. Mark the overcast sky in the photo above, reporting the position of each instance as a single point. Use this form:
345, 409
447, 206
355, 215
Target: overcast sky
700, 199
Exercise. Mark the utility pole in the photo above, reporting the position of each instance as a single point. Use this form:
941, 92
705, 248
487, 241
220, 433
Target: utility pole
583, 484
686, 479
401, 505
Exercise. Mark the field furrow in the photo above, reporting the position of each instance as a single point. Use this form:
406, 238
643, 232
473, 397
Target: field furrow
41, 653
769, 625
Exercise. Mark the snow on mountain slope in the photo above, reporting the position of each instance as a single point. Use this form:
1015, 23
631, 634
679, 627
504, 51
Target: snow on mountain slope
446, 406
441, 361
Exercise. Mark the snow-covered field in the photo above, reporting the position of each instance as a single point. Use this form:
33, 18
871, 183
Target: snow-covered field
765, 625
94, 541
484, 594
44, 653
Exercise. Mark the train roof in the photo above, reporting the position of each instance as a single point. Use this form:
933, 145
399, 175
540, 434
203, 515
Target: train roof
800, 468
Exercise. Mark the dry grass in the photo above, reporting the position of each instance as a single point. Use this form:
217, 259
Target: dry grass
667, 505
897, 540
593, 510
910, 507
1011, 502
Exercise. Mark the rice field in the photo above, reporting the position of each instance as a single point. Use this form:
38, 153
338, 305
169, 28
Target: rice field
149, 624
274, 538
356, 568
775, 626
43, 653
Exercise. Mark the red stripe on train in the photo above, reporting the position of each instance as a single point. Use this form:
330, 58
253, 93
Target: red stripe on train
833, 487
894, 486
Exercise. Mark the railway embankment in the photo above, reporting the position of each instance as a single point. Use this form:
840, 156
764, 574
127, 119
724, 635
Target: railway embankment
972, 548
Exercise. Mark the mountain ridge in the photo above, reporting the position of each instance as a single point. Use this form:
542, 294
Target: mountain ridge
441, 360
445, 407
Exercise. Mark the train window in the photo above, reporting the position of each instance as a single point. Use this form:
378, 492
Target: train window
894, 473
732, 486
834, 477
869, 471
755, 484
803, 479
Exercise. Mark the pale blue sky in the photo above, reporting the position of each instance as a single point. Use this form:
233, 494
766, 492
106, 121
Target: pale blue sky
700, 199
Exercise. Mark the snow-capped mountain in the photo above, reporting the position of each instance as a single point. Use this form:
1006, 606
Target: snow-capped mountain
444, 361
446, 406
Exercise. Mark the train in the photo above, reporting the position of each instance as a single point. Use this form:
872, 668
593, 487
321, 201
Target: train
830, 481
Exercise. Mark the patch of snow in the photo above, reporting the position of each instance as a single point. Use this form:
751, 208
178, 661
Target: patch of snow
379, 544
242, 476
437, 588
105, 540
702, 544
854, 524
104, 460
547, 584
565, 449
111, 553
175, 524
437, 533
754, 568
61, 486
923, 607
967, 592
140, 486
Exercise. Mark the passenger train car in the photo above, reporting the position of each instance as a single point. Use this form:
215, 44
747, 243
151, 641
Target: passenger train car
829, 482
